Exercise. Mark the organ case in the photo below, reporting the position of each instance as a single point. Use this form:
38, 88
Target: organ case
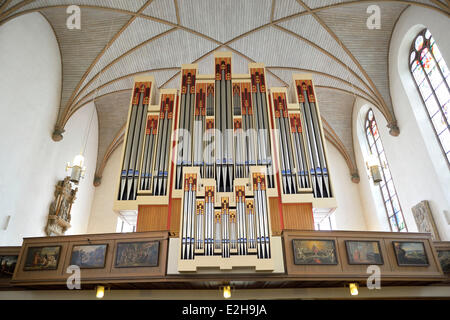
234, 157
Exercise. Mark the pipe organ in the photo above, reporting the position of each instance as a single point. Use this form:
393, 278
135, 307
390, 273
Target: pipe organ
225, 164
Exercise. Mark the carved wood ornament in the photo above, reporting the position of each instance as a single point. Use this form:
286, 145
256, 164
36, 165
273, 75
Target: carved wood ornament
59, 213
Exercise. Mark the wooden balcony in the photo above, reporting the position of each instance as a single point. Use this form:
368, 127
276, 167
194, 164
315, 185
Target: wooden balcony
331, 260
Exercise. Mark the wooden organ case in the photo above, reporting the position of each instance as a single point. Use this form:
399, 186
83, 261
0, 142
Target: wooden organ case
224, 165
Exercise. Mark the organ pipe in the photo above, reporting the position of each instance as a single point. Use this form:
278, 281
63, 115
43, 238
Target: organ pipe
236, 147
317, 166
135, 135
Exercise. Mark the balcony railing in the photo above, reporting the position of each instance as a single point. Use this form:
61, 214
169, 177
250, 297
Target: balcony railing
142, 260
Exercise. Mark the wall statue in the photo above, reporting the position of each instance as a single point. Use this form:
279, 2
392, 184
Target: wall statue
59, 213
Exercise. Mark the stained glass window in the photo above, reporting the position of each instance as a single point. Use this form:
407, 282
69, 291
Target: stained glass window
431, 74
388, 193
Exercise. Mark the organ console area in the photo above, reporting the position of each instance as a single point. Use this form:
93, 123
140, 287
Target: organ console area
225, 164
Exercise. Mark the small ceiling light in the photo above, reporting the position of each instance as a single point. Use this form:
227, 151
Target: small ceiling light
226, 292
353, 289
100, 292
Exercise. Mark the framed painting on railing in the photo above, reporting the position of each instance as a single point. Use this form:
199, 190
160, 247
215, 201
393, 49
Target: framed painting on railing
7, 265
89, 256
410, 253
363, 252
444, 259
314, 252
42, 258
137, 254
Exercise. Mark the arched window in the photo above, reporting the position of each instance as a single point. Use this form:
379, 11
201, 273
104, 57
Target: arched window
431, 75
389, 194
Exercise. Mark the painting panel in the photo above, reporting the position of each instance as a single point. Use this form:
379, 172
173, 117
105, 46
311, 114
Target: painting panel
137, 254
314, 252
363, 252
7, 265
444, 259
410, 253
89, 256
42, 258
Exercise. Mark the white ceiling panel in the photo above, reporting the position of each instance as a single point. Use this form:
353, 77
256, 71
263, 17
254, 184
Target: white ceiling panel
282, 49
308, 28
127, 5
173, 50
284, 8
162, 9
224, 20
136, 33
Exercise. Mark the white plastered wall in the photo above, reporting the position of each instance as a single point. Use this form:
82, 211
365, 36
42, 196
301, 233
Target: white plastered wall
31, 162
103, 219
349, 213
416, 157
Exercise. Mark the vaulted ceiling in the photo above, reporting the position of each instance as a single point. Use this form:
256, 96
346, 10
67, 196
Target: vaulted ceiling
119, 39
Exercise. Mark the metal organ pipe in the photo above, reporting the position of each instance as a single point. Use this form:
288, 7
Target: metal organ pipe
264, 111
139, 136
217, 231
236, 99
262, 123
310, 141
251, 224
224, 123
162, 152
319, 172
258, 212
287, 135
181, 127
184, 237
167, 143
302, 173
225, 221
210, 100
326, 187
218, 139
146, 175
144, 165
263, 239
280, 141
135, 136
137, 129
190, 120
209, 224
209, 165
233, 235
199, 126
200, 231
241, 221
287, 163
161, 149
223, 127
229, 130
239, 153
248, 129
186, 123
189, 209
130, 135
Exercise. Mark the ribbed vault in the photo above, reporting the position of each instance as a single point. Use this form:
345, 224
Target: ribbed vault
120, 39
